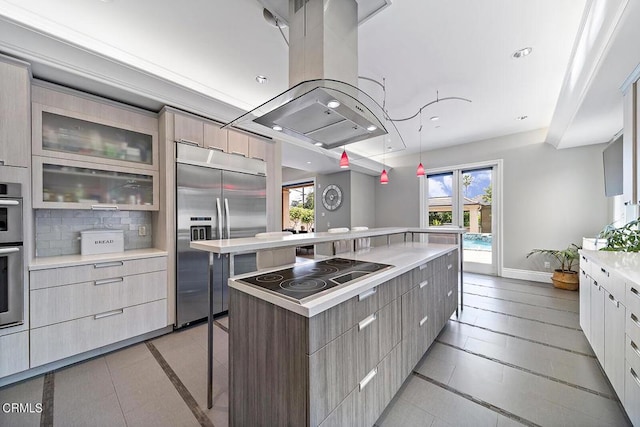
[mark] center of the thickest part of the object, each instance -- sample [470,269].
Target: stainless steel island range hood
[324,105]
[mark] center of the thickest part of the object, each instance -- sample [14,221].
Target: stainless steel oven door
[10,213]
[11,286]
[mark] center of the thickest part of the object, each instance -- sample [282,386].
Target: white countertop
[73,260]
[403,256]
[624,264]
[252,244]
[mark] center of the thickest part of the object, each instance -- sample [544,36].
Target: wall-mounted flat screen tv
[612,161]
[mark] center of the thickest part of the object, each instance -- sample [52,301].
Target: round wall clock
[332,197]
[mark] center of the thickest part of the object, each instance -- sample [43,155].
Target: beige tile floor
[515,356]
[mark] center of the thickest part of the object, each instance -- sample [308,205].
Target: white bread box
[101,241]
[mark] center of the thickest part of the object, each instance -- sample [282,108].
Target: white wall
[551,197]
[363,206]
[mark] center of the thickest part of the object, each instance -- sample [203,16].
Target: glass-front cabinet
[93,154]
[77,185]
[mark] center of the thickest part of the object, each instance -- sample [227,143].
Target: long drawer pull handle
[424,320]
[423,284]
[4,251]
[9,203]
[363,296]
[367,321]
[211,147]
[238,153]
[635,348]
[366,380]
[449,293]
[449,267]
[634,375]
[108,314]
[109,264]
[188,142]
[635,320]
[635,292]
[613,301]
[104,207]
[107,281]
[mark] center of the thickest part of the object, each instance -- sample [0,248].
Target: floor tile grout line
[525,339]
[221,326]
[115,390]
[523,318]
[520,302]
[521,292]
[532,372]
[476,400]
[188,398]
[48,389]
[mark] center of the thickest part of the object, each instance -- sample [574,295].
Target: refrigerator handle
[219,217]
[227,217]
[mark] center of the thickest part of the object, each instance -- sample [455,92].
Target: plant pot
[568,280]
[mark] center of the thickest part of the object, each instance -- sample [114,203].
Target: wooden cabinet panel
[188,129]
[14,353]
[215,138]
[238,143]
[257,148]
[15,123]
[66,339]
[344,414]
[95,271]
[585,302]
[61,303]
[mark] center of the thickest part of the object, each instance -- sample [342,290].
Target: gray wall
[58,230]
[363,200]
[341,217]
[550,197]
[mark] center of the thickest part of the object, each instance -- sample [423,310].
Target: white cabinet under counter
[81,303]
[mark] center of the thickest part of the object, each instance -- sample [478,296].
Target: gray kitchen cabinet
[597,320]
[257,148]
[614,342]
[632,393]
[14,353]
[188,129]
[585,296]
[15,112]
[238,143]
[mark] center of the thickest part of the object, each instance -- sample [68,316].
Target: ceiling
[203,56]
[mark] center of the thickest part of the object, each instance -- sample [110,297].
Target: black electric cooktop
[302,281]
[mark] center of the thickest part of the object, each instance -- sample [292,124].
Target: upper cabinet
[15,132]
[92,154]
[193,130]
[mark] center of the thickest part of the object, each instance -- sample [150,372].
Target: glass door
[463,197]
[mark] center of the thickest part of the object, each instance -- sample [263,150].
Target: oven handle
[4,251]
[9,202]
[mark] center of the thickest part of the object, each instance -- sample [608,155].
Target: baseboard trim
[534,276]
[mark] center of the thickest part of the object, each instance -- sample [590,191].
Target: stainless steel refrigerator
[218,196]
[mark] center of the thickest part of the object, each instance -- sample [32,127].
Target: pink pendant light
[384,178]
[420,171]
[344,160]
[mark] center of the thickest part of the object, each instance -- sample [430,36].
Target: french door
[467,196]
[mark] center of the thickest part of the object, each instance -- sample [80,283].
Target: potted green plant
[564,277]
[624,239]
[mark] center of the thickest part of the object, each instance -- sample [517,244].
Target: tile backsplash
[58,230]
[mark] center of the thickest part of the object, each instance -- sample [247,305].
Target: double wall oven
[11,256]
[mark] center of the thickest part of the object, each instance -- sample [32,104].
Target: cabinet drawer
[632,354]
[612,283]
[632,394]
[62,303]
[632,298]
[14,353]
[632,326]
[95,271]
[377,334]
[66,339]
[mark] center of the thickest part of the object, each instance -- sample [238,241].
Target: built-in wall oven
[11,256]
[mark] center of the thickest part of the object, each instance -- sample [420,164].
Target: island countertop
[403,256]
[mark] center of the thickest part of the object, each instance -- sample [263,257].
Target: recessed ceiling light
[318,144]
[371,128]
[308,163]
[262,79]
[521,117]
[435,118]
[276,127]
[333,104]
[522,52]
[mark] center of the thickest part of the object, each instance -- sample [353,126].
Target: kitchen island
[338,358]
